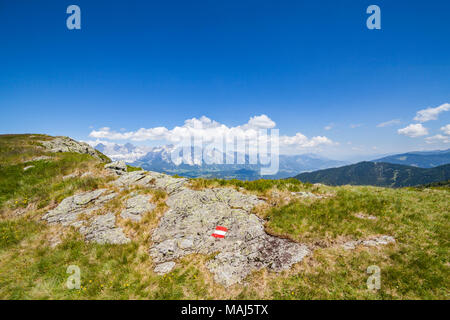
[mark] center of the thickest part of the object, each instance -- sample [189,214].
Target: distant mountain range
[159,159]
[395,170]
[127,152]
[421,159]
[377,174]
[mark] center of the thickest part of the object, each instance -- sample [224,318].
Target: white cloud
[209,130]
[413,130]
[328,127]
[157,133]
[261,122]
[438,138]
[300,140]
[446,129]
[357,125]
[431,113]
[388,123]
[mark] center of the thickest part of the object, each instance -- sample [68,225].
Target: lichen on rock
[69,210]
[100,229]
[136,206]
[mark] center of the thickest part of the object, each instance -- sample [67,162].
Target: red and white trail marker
[220,232]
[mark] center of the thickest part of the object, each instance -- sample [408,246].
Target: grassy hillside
[33,267]
[377,174]
[30,176]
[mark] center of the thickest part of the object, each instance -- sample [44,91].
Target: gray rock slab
[102,229]
[164,268]
[152,180]
[188,225]
[69,210]
[374,242]
[136,206]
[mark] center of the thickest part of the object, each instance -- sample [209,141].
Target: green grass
[43,182]
[261,185]
[131,168]
[332,217]
[107,271]
[15,148]
[417,267]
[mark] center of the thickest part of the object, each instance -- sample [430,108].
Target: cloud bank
[209,130]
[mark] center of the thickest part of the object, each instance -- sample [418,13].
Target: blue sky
[312,67]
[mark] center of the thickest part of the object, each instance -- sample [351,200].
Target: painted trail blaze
[220,232]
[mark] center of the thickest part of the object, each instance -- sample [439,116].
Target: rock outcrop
[188,225]
[164,268]
[118,167]
[193,215]
[152,180]
[66,144]
[70,209]
[101,229]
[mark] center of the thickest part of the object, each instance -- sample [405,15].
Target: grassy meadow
[32,266]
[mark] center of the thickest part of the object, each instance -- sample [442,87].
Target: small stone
[69,176]
[365,216]
[374,242]
[41,158]
[318,184]
[164,268]
[27,167]
[306,194]
[87,174]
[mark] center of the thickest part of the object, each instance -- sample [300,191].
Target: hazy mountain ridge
[422,159]
[377,174]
